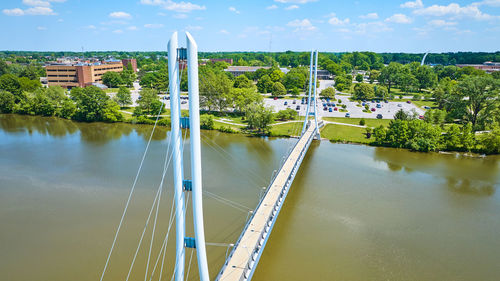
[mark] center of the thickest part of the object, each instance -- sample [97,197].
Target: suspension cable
[130,195]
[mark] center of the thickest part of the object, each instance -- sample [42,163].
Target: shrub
[362,122]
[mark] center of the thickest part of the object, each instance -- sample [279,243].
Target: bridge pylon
[181,185]
[312,107]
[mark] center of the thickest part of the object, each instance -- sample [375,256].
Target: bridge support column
[176,136]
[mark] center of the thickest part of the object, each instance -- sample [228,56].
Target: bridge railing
[257,249]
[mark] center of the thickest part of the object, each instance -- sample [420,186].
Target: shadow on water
[96,132]
[460,173]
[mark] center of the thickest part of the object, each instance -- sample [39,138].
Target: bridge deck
[242,261]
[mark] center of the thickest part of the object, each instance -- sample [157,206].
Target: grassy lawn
[219,125]
[344,133]
[397,92]
[288,129]
[355,121]
[422,103]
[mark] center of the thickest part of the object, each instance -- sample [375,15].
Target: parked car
[373,109]
[183,102]
[427,107]
[294,101]
[348,115]
[379,116]
[335,109]
[386,101]
[379,106]
[325,108]
[333,104]
[400,105]
[408,101]
[275,98]
[286,103]
[297,108]
[324,104]
[377,101]
[330,109]
[421,117]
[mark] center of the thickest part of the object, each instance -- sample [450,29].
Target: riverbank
[336,130]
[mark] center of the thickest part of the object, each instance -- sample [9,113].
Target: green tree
[258,117]
[112,79]
[295,78]
[479,95]
[10,83]
[435,116]
[389,75]
[359,77]
[374,75]
[287,114]
[7,102]
[363,91]
[215,90]
[452,138]
[243,97]
[444,93]
[328,93]
[401,115]
[278,90]
[123,97]
[148,96]
[381,92]
[265,84]
[28,85]
[112,112]
[242,82]
[491,141]
[426,78]
[343,82]
[91,103]
[276,75]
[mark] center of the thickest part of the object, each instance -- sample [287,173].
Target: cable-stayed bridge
[242,260]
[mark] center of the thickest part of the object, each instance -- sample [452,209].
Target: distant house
[239,70]
[488,66]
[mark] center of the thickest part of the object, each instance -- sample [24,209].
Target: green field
[288,129]
[368,122]
[343,133]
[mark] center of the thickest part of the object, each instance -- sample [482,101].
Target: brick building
[69,75]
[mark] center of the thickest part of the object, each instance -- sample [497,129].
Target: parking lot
[386,109]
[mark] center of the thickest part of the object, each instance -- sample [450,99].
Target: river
[353,213]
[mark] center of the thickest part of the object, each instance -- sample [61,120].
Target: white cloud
[90,26]
[223,31]
[120,15]
[413,4]
[493,3]
[295,1]
[60,20]
[194,27]
[292,7]
[39,11]
[399,18]
[36,3]
[153,25]
[132,27]
[371,27]
[454,10]
[118,31]
[302,25]
[336,21]
[442,23]
[41,28]
[13,12]
[180,16]
[372,16]
[234,10]
[180,7]
[272,7]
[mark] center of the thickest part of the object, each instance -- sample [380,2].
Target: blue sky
[258,25]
